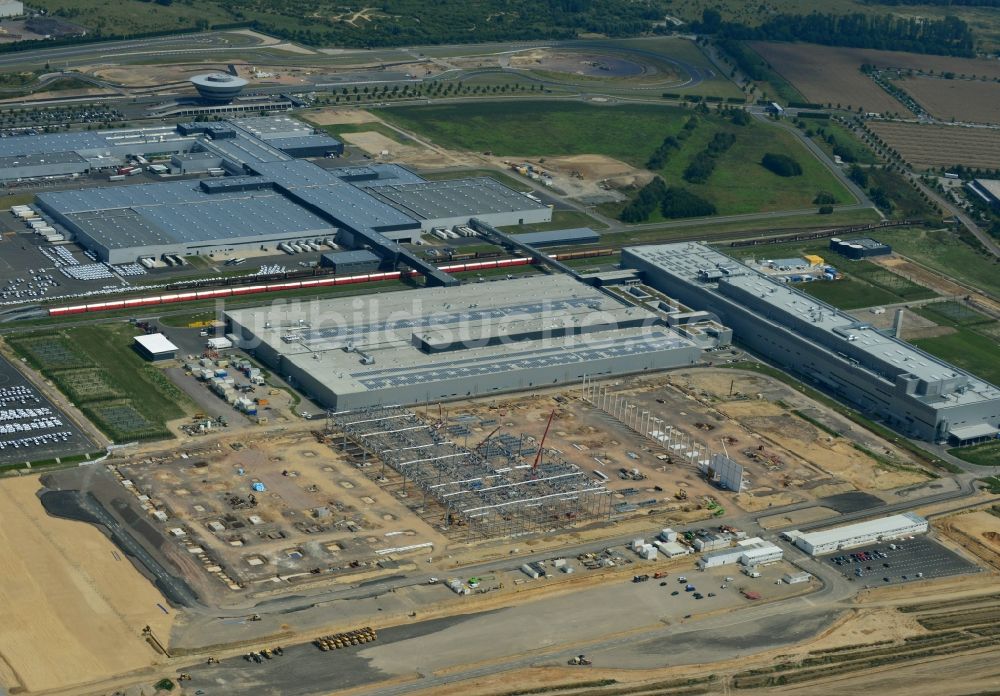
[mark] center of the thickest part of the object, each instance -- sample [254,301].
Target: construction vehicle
[579,660]
[681,494]
[659,574]
[346,640]
[640,578]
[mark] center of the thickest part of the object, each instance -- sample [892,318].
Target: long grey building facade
[915,393]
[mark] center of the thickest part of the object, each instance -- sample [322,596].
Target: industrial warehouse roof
[271,127]
[431,200]
[36,160]
[46,143]
[882,527]
[470,313]
[881,355]
[245,151]
[577,235]
[346,257]
[387,174]
[156,343]
[180,211]
[304,141]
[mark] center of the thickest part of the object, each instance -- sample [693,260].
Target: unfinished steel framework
[502,487]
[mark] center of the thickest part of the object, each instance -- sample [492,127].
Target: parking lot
[31,427]
[914,558]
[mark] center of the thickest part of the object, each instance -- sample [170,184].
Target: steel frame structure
[491,491]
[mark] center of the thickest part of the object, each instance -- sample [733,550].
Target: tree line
[947,36]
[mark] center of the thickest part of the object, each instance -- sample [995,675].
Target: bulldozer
[681,494]
[580,660]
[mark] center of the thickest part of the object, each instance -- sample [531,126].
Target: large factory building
[269,198]
[451,343]
[914,392]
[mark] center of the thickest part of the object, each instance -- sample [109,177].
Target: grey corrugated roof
[577,235]
[301,141]
[179,211]
[358,256]
[430,200]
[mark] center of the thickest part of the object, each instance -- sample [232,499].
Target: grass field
[844,139]
[630,133]
[537,129]
[968,349]
[884,279]
[970,346]
[97,369]
[848,293]
[865,285]
[953,313]
[906,201]
[946,253]
[986,454]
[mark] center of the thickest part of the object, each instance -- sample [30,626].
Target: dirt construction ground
[72,608]
[331,117]
[316,512]
[979,532]
[375,144]
[786,458]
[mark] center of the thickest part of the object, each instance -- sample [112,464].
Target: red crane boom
[541,444]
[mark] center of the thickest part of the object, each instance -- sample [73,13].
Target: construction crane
[541,445]
[487,438]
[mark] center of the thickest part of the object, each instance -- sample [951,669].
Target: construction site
[506,486]
[255,517]
[369,492]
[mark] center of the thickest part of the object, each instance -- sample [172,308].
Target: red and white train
[238,290]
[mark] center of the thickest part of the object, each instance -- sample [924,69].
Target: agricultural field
[630,134]
[828,75]
[832,75]
[977,101]
[97,369]
[927,146]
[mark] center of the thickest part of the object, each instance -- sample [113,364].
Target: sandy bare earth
[66,597]
[330,117]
